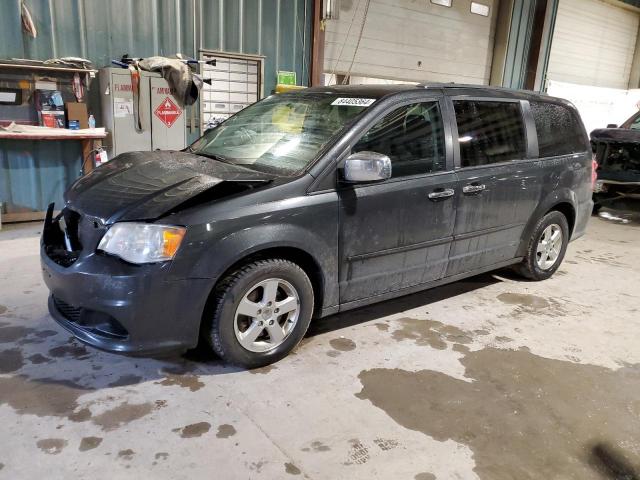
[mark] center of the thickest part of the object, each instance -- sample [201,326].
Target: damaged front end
[111,256]
[148,185]
[60,237]
[617,152]
[138,187]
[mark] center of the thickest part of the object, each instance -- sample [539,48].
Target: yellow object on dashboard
[282,88]
[288,118]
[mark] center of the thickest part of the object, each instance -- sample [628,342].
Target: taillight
[594,173]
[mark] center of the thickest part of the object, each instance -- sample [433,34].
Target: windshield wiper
[212,156]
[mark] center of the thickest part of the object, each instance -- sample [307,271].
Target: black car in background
[311,203]
[617,152]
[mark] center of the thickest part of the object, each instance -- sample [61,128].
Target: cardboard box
[77,111]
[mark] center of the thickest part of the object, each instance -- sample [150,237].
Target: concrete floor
[491,378]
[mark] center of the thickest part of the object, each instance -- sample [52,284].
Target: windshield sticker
[353,102]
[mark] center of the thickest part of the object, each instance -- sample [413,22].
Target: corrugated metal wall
[519,43]
[101,30]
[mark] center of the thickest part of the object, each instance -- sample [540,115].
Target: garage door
[593,44]
[413,40]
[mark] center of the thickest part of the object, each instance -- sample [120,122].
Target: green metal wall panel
[33,174]
[231,23]
[251,26]
[520,38]
[101,30]
[545,46]
[519,43]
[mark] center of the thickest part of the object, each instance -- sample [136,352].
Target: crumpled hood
[146,185]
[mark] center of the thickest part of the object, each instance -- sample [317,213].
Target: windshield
[281,134]
[633,123]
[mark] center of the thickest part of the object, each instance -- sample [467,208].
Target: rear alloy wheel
[260,313]
[549,247]
[546,248]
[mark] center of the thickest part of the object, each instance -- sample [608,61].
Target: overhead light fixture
[480,9]
[443,3]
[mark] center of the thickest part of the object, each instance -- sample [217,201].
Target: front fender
[310,225]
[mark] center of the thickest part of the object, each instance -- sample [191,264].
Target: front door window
[411,136]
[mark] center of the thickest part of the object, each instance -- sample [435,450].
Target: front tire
[260,313]
[546,248]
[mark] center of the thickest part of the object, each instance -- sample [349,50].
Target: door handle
[441,193]
[473,188]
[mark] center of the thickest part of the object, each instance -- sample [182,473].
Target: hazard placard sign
[168,112]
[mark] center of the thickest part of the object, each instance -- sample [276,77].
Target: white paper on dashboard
[353,101]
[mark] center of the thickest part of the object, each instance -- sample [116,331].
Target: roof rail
[458,85]
[482,87]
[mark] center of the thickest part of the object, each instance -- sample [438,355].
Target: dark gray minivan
[311,203]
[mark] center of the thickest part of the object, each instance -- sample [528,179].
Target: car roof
[379,91]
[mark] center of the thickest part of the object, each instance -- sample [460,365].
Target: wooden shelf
[50,68]
[23,217]
[44,136]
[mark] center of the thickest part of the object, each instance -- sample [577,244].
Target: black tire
[529,267]
[219,331]
[596,208]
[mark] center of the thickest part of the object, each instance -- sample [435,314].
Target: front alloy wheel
[259,312]
[266,315]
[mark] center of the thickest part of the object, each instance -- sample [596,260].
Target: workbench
[89,141]
[25,75]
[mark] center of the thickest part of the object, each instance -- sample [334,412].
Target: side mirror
[367,167]
[612,125]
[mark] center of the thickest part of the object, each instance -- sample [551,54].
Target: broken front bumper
[608,191]
[136,312]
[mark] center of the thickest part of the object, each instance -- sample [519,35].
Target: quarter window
[489,132]
[411,136]
[558,131]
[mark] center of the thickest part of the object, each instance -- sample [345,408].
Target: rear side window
[489,132]
[558,130]
[412,136]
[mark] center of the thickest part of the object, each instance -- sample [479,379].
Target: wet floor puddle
[52,446]
[429,333]
[225,431]
[526,300]
[193,430]
[60,398]
[527,303]
[522,415]
[89,443]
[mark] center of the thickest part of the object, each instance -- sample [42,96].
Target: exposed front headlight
[142,242]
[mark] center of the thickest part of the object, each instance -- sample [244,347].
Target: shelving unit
[19,71]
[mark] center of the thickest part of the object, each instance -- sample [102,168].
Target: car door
[498,179]
[396,234]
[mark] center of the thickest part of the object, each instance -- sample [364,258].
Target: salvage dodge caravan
[311,203]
